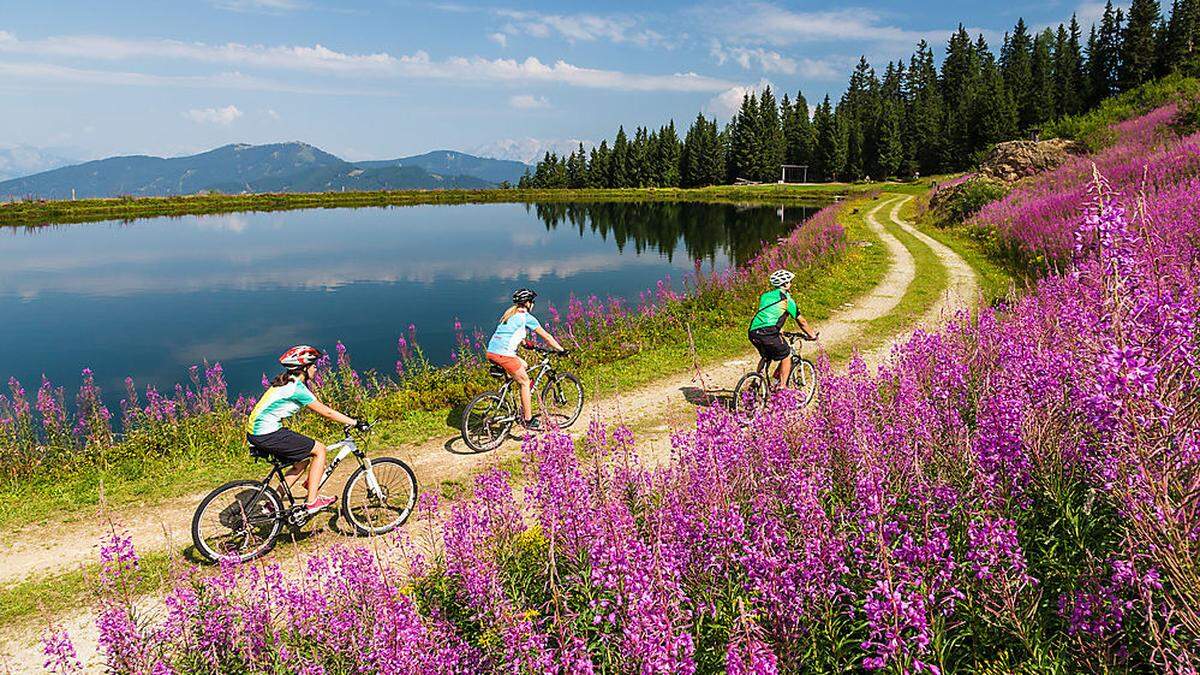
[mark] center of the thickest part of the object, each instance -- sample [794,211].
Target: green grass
[928,283]
[129,483]
[55,594]
[32,213]
[824,291]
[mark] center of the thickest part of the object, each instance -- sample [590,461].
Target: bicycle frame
[764,365]
[343,449]
[538,371]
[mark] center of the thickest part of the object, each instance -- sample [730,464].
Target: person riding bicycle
[774,307]
[287,394]
[515,325]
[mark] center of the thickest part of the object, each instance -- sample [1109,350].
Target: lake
[151,297]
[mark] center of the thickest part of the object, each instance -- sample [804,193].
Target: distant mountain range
[22,160]
[277,167]
[530,150]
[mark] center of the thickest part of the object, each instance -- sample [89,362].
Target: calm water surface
[150,298]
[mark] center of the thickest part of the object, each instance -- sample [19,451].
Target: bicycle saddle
[260,453]
[497,372]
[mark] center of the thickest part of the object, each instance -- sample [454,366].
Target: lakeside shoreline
[38,213]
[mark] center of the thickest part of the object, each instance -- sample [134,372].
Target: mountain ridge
[234,168]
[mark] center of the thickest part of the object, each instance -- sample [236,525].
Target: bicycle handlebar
[546,350]
[802,336]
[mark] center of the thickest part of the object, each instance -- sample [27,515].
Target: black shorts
[285,444]
[770,345]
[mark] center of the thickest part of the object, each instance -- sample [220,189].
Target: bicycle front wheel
[238,521]
[382,507]
[804,380]
[750,396]
[562,400]
[486,421]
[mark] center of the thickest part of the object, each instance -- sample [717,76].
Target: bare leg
[521,377]
[315,468]
[293,474]
[785,369]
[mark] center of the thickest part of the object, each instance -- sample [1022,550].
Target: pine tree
[992,107]
[1104,55]
[926,115]
[891,141]
[825,155]
[745,140]
[667,171]
[1041,81]
[1182,34]
[1139,44]
[1069,94]
[798,132]
[1016,63]
[618,162]
[960,73]
[770,138]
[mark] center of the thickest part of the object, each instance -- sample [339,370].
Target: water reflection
[151,297]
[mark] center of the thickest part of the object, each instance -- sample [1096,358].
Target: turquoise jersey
[774,307]
[276,405]
[511,333]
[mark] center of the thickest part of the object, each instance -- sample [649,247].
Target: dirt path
[165,527]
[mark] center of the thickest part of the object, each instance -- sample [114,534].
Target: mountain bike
[490,415]
[753,391]
[242,519]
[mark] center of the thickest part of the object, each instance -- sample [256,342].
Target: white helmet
[781,278]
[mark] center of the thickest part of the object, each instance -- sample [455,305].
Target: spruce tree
[825,155]
[744,140]
[925,112]
[618,162]
[667,170]
[798,132]
[891,140]
[1016,64]
[1041,81]
[1104,55]
[771,142]
[1139,44]
[1182,34]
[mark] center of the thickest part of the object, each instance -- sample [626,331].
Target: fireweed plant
[44,432]
[1016,492]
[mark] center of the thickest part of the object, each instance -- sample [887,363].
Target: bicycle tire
[552,393]
[349,501]
[750,395]
[803,379]
[239,507]
[481,432]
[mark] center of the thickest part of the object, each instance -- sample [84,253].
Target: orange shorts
[510,364]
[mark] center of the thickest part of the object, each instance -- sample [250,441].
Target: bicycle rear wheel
[804,380]
[486,421]
[750,396]
[562,400]
[381,508]
[238,521]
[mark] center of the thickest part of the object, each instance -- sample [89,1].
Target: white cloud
[1091,12]
[529,150]
[581,27]
[499,38]
[323,60]
[219,116]
[725,104]
[528,102]
[272,114]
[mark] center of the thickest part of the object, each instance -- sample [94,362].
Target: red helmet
[300,356]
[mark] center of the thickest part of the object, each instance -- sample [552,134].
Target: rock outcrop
[1014,160]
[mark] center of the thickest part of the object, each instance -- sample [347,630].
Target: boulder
[1013,160]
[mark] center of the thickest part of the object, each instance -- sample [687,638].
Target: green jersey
[276,405]
[774,307]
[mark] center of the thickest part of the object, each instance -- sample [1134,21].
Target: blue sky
[385,79]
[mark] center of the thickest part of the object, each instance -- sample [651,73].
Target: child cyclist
[515,325]
[287,395]
[774,307]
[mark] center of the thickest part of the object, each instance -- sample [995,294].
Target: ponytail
[511,311]
[287,376]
